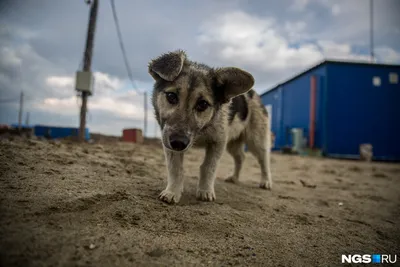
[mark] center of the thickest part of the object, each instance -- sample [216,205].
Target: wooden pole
[155,129]
[27,118]
[87,65]
[21,104]
[145,114]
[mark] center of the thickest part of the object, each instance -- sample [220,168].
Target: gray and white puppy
[215,108]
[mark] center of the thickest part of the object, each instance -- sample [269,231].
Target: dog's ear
[232,82]
[167,66]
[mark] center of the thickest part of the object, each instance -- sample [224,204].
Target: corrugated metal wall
[359,112]
[58,132]
[291,107]
[274,99]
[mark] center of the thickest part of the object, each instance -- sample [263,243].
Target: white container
[366,152]
[297,140]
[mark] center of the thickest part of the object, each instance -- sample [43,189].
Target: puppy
[215,108]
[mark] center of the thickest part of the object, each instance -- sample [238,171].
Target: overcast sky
[42,42]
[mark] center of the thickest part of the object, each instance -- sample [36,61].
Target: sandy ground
[64,204]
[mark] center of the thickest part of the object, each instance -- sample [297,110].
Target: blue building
[53,132]
[340,105]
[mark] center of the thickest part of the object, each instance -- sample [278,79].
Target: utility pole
[371,29]
[87,64]
[145,115]
[21,104]
[27,118]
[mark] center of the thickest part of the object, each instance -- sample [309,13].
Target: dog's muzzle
[178,142]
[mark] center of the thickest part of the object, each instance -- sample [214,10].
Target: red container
[132,135]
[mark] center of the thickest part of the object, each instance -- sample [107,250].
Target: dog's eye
[201,105]
[172,98]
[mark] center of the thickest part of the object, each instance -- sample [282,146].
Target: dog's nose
[178,142]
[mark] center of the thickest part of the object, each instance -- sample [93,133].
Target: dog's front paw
[266,185]
[205,195]
[169,196]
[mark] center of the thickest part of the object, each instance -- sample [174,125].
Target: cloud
[254,42]
[336,10]
[62,106]
[120,109]
[387,54]
[23,69]
[64,81]
[299,5]
[9,58]
[332,50]
[295,31]
[109,96]
[105,82]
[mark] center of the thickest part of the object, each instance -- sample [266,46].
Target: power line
[128,69]
[121,44]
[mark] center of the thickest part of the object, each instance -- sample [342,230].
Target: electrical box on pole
[84,82]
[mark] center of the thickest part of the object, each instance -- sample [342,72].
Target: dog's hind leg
[173,192]
[235,149]
[205,188]
[263,156]
[259,144]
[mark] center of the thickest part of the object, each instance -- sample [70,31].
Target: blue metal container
[58,132]
[16,125]
[352,108]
